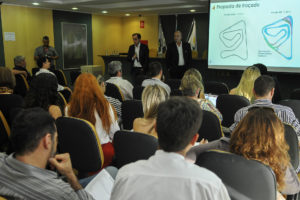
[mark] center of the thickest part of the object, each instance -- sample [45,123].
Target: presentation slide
[242,33]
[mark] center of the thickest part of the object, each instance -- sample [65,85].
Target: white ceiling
[120,7]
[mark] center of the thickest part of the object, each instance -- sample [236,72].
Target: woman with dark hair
[43,93]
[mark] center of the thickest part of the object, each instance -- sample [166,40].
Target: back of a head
[152,96]
[189,85]
[178,120]
[18,60]
[7,78]
[154,69]
[262,68]
[114,67]
[42,92]
[41,61]
[194,72]
[263,85]
[29,127]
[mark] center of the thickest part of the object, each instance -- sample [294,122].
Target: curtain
[184,24]
[168,23]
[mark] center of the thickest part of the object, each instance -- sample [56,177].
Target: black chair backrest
[176,93]
[173,83]
[22,85]
[79,138]
[34,70]
[244,179]
[4,133]
[217,88]
[73,76]
[61,78]
[211,127]
[228,105]
[131,146]
[114,91]
[293,104]
[292,140]
[137,92]
[295,94]
[131,109]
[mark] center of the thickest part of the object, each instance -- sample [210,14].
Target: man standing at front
[46,51]
[178,56]
[138,55]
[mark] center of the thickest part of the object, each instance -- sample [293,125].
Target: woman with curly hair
[43,93]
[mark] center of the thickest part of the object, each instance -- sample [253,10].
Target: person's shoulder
[283,108]
[132,169]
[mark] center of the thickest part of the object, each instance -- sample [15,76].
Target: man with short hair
[264,88]
[20,67]
[115,72]
[23,174]
[46,51]
[167,175]
[178,56]
[156,73]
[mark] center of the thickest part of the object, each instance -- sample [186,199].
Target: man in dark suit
[138,55]
[178,56]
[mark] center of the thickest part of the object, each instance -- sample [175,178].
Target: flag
[162,47]
[192,39]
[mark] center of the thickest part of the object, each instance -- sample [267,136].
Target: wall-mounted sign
[142,24]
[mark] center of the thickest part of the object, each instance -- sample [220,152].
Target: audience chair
[211,127]
[293,104]
[73,76]
[114,91]
[216,88]
[131,109]
[34,70]
[22,85]
[4,134]
[131,146]
[79,138]
[244,179]
[292,140]
[173,83]
[61,77]
[137,92]
[228,105]
[295,94]
[62,101]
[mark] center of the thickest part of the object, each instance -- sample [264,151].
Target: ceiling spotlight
[193,10]
[127,14]
[35,3]
[74,8]
[104,12]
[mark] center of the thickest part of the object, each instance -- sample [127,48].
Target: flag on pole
[193,39]
[162,46]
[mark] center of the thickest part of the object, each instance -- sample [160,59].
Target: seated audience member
[259,136]
[155,71]
[264,88]
[192,87]
[24,174]
[152,96]
[88,102]
[194,72]
[167,175]
[20,67]
[115,72]
[44,65]
[245,87]
[9,102]
[116,103]
[43,93]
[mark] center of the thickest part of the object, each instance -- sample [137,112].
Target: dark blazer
[143,55]
[172,56]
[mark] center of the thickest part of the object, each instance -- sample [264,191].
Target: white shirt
[156,81]
[167,176]
[137,52]
[60,87]
[103,136]
[125,86]
[180,53]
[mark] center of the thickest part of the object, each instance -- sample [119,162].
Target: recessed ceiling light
[104,11]
[74,8]
[193,10]
[35,3]
[127,14]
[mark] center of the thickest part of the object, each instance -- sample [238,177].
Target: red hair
[88,97]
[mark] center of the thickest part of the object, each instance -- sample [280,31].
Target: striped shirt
[116,104]
[284,113]
[208,106]
[155,81]
[22,181]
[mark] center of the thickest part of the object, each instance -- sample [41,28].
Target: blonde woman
[152,96]
[192,87]
[245,87]
[194,72]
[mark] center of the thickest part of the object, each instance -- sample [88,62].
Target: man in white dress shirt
[156,73]
[167,175]
[115,72]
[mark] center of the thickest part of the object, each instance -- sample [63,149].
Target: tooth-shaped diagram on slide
[234,39]
[279,36]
